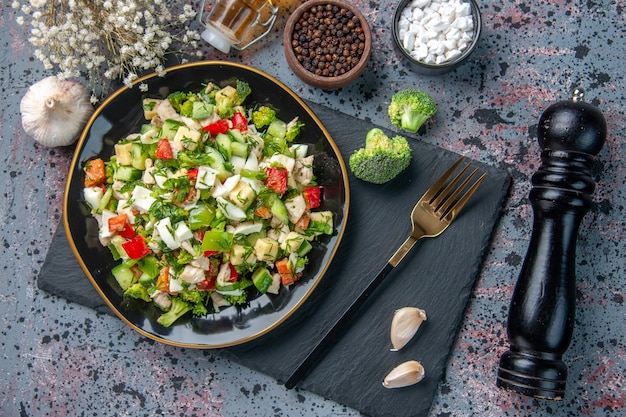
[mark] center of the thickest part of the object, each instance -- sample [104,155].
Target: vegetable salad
[209,205]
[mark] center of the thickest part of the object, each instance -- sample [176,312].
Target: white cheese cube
[142,200]
[240,254]
[283,160]
[165,231]
[93,196]
[187,137]
[266,249]
[242,195]
[104,223]
[292,242]
[182,232]
[274,288]
[206,177]
[123,153]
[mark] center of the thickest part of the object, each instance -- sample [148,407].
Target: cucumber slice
[239,149]
[123,275]
[279,210]
[127,173]
[262,279]
[218,162]
[139,156]
[170,127]
[223,143]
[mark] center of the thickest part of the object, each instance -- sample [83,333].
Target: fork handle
[333,333]
[403,250]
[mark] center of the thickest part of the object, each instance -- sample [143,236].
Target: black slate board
[438,276]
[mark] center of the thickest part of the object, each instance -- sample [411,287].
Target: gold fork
[439,205]
[432,214]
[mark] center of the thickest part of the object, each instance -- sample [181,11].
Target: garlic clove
[405,323]
[54,111]
[404,375]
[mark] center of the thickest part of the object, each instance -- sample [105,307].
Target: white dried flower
[106,39]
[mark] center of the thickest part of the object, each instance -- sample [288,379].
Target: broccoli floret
[237,299]
[382,158]
[263,116]
[243,91]
[138,291]
[198,300]
[228,98]
[293,129]
[178,99]
[410,108]
[193,295]
[178,308]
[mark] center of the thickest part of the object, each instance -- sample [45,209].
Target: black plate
[121,114]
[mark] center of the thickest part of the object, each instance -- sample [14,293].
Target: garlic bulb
[405,374]
[54,111]
[405,323]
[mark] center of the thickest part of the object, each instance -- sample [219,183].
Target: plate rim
[75,160]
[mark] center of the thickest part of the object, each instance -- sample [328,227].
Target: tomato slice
[164,150]
[239,122]
[276,179]
[313,196]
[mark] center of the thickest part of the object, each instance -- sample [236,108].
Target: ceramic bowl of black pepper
[327,43]
[436,36]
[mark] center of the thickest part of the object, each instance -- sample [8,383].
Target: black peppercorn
[328,40]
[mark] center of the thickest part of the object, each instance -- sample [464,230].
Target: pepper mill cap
[572,125]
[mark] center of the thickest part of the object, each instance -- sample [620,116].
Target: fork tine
[452,190]
[436,188]
[447,193]
[452,206]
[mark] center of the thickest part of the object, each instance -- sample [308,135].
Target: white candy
[436,31]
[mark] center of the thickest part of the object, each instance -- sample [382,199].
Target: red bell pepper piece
[192,174]
[164,150]
[136,247]
[233,273]
[207,285]
[239,122]
[276,179]
[221,126]
[121,226]
[313,196]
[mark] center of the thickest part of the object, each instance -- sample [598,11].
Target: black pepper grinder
[541,314]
